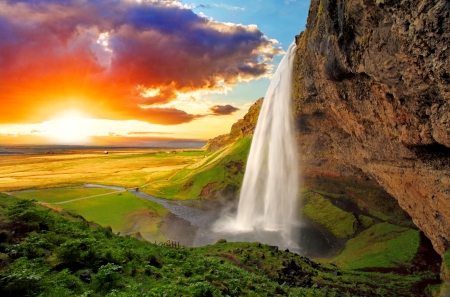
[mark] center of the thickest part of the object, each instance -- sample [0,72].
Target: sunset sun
[68,127]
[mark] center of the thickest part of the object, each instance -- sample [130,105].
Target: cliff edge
[372,99]
[242,128]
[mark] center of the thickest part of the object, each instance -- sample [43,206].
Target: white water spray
[269,191]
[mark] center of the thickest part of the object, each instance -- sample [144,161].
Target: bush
[78,252]
[108,277]
[24,277]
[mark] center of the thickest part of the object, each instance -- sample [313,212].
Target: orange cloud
[98,56]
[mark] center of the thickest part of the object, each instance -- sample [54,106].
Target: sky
[136,72]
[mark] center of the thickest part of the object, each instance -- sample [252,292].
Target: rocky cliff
[372,100]
[242,128]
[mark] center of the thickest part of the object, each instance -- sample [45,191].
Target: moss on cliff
[382,245]
[340,223]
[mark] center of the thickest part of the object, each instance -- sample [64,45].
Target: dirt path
[93,196]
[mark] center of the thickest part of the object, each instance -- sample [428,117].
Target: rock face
[242,128]
[372,99]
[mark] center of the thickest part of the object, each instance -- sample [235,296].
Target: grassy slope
[116,210]
[340,223]
[383,245]
[123,212]
[219,170]
[386,239]
[48,252]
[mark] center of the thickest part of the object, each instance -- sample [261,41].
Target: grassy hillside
[119,210]
[49,253]
[219,173]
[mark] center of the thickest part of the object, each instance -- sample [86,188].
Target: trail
[93,196]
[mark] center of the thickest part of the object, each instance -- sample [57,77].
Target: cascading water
[269,191]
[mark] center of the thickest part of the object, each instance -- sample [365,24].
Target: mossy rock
[365,221]
[321,211]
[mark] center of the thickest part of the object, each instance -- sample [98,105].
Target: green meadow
[57,248]
[120,210]
[61,195]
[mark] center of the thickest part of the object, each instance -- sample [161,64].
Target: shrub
[78,252]
[108,277]
[24,277]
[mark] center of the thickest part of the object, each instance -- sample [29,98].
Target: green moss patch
[365,221]
[383,245]
[321,211]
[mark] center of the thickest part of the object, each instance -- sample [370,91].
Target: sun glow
[68,127]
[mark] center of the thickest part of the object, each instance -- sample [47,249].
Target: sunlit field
[123,168]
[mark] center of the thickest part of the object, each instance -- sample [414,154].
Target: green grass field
[57,247]
[61,195]
[123,212]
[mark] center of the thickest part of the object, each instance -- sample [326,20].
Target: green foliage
[365,221]
[78,251]
[383,245]
[24,277]
[49,262]
[320,210]
[370,197]
[108,277]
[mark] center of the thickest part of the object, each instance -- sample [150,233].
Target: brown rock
[372,99]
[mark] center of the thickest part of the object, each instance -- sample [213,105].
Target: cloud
[98,56]
[228,7]
[223,109]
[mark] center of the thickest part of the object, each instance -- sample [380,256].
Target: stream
[190,223]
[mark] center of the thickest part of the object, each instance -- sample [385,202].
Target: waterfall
[269,192]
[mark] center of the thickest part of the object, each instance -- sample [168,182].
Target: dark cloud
[223,109]
[53,50]
[203,6]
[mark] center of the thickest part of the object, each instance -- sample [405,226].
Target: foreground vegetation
[120,210]
[49,253]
